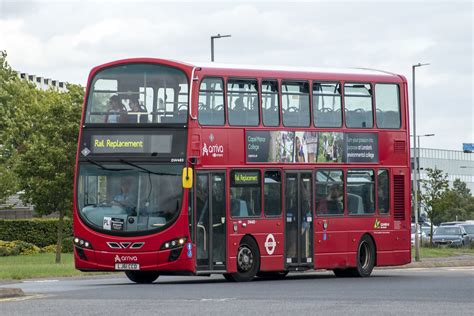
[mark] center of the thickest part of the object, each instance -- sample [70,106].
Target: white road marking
[40,281]
[23,298]
[217,299]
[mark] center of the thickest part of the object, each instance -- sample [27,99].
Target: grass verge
[439,252]
[38,266]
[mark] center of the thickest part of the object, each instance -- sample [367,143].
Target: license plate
[127,266]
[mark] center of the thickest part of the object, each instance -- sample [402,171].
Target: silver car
[469,228]
[452,236]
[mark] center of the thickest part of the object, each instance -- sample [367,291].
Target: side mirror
[187,178]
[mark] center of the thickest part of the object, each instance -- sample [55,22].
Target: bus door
[298,219]
[210,221]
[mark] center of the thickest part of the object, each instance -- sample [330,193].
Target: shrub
[17,247]
[49,249]
[40,232]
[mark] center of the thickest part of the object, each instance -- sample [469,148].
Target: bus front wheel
[142,277]
[248,261]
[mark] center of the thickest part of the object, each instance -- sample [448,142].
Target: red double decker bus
[197,169]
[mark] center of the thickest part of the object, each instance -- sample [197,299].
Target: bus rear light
[175,243]
[81,243]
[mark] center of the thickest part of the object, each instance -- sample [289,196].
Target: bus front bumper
[163,260]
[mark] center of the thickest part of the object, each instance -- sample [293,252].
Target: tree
[38,140]
[432,190]
[456,203]
[46,166]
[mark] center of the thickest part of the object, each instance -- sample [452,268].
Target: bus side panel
[268,233]
[330,243]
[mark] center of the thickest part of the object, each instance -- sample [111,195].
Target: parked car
[450,235]
[469,228]
[421,235]
[426,228]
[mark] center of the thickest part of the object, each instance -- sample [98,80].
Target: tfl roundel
[270,244]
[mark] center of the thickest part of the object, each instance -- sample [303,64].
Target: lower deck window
[245,193]
[360,193]
[329,192]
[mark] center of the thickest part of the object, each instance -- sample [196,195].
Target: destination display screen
[160,144]
[243,178]
[167,144]
[311,147]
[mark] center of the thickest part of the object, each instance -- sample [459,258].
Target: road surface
[422,291]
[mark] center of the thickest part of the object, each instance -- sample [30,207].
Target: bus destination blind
[134,144]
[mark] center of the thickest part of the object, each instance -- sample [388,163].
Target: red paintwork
[343,233]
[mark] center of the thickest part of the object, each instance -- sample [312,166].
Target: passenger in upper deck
[117,110]
[136,108]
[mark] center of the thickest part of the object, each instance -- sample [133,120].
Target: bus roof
[269,70]
[275,68]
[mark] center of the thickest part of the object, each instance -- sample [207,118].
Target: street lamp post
[212,43]
[415,174]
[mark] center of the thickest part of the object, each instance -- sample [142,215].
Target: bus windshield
[138,94]
[129,197]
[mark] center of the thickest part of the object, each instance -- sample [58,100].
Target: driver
[126,198]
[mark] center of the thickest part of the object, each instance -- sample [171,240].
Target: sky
[63,40]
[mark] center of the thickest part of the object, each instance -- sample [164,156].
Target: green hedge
[40,232]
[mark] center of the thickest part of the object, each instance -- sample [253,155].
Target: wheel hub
[245,259]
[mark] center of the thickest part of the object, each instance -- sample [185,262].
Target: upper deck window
[327,104]
[358,105]
[295,103]
[270,103]
[131,94]
[211,102]
[387,103]
[242,102]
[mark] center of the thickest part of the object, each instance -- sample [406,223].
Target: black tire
[272,275]
[142,277]
[248,261]
[365,258]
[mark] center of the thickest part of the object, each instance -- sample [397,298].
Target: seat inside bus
[238,208]
[355,204]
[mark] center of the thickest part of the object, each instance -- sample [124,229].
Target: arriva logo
[125,258]
[213,150]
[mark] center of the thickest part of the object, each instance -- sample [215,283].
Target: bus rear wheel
[248,261]
[365,257]
[142,277]
[365,260]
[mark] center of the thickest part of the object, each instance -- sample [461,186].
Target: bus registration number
[127,266]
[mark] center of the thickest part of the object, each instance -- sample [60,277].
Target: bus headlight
[82,243]
[175,243]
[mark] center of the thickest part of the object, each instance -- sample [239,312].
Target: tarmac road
[422,291]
